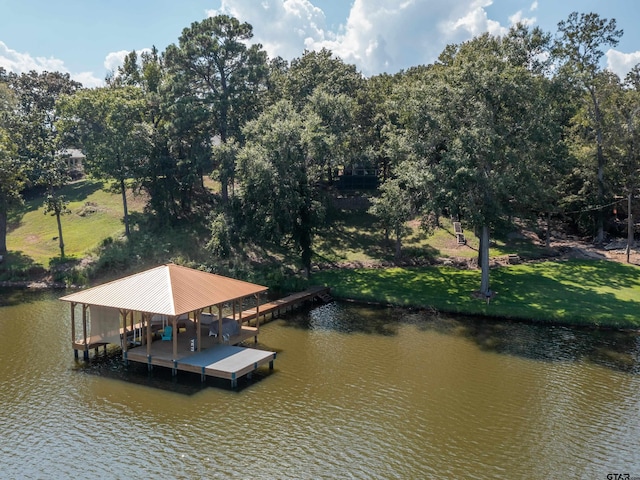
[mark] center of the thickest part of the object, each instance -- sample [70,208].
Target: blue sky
[88,38]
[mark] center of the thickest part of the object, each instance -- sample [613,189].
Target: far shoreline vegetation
[214,156]
[434,274]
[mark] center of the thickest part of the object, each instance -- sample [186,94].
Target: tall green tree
[109,123]
[279,178]
[621,111]
[11,169]
[579,49]
[218,81]
[41,148]
[320,70]
[393,210]
[376,122]
[476,126]
[323,84]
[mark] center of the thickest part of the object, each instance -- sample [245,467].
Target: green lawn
[600,293]
[95,215]
[577,292]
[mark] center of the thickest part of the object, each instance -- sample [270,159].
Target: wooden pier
[282,305]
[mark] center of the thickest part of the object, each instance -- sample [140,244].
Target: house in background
[75,161]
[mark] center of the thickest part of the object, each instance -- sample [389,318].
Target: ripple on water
[357,393]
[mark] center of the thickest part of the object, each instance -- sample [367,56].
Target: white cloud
[519,18]
[375,34]
[88,79]
[115,59]
[18,62]
[283,27]
[534,6]
[621,63]
[475,21]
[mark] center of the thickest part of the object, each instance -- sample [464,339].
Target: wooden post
[84,331]
[73,328]
[174,321]
[198,332]
[258,311]
[125,346]
[219,322]
[149,339]
[133,328]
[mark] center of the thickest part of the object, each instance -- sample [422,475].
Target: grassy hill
[96,214]
[353,239]
[348,256]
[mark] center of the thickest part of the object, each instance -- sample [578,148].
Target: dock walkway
[285,304]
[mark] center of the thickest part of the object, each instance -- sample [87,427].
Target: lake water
[357,392]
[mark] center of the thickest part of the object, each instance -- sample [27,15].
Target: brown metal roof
[167,290]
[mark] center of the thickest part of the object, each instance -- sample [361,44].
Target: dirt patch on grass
[614,251]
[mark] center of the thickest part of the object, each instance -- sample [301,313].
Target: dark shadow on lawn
[18,267]
[74,192]
[363,236]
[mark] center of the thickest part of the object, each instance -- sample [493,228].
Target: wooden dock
[214,357]
[285,304]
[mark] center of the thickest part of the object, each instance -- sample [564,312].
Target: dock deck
[226,361]
[214,359]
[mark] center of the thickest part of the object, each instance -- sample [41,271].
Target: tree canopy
[253,149]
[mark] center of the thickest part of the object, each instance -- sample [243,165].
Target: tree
[621,112]
[335,113]
[319,70]
[57,205]
[322,84]
[217,80]
[579,49]
[476,126]
[11,169]
[280,179]
[109,123]
[41,147]
[376,122]
[393,209]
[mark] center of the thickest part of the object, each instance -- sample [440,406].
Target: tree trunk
[305,238]
[600,225]
[547,241]
[224,191]
[123,191]
[398,244]
[61,241]
[478,234]
[600,171]
[3,231]
[629,229]
[484,256]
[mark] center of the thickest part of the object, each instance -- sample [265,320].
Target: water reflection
[617,350]
[357,392]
